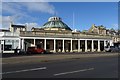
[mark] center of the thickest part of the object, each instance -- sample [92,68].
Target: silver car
[112,49]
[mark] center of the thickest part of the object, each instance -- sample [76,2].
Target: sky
[35,14]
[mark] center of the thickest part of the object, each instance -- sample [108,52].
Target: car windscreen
[31,47]
[111,46]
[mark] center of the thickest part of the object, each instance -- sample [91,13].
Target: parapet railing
[67,35]
[9,34]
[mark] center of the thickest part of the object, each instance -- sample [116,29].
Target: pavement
[50,57]
[69,66]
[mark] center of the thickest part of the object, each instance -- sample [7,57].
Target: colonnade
[92,44]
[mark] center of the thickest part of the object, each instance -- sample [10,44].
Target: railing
[67,35]
[8,34]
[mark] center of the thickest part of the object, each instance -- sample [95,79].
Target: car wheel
[42,52]
[112,50]
[28,52]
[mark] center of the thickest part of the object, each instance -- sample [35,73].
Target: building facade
[56,36]
[101,30]
[17,28]
[9,41]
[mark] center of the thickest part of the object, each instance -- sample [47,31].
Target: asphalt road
[99,67]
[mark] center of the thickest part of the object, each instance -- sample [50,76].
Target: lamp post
[2,46]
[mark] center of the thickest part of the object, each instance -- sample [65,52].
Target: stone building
[56,36]
[101,30]
[17,28]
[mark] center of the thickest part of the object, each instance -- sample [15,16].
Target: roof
[20,26]
[55,22]
[4,30]
[100,27]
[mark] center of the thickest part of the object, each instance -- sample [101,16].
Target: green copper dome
[55,22]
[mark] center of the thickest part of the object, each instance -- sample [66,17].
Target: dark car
[34,50]
[21,51]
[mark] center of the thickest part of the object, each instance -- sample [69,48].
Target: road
[97,67]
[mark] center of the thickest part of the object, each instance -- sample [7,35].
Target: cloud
[25,1]
[40,7]
[115,26]
[17,7]
[0,21]
[11,8]
[6,20]
[0,8]
[19,12]
[30,25]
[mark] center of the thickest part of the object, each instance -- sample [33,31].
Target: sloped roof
[22,26]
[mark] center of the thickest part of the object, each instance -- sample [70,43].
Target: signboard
[2,42]
[1,33]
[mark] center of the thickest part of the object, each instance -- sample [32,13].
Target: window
[47,46]
[8,40]
[15,29]
[76,46]
[17,40]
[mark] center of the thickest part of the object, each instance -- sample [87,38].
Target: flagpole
[73,20]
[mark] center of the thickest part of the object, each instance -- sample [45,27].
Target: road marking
[73,72]
[24,70]
[3,63]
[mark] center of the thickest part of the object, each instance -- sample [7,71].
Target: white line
[3,63]
[73,71]
[24,70]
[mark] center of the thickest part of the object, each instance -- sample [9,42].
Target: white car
[112,49]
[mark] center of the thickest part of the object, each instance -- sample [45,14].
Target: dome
[56,22]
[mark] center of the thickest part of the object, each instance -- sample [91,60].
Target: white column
[78,45]
[23,44]
[0,46]
[85,45]
[34,42]
[111,43]
[13,44]
[71,46]
[19,44]
[98,45]
[44,44]
[92,46]
[105,43]
[3,42]
[54,45]
[63,50]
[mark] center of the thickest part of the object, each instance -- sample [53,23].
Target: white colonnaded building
[53,36]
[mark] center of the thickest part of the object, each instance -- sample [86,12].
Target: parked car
[21,51]
[34,50]
[112,49]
